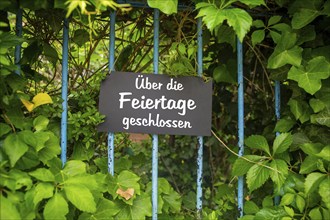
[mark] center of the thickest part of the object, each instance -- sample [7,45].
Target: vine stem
[244,158]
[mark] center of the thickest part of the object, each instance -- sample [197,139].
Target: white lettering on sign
[158,103]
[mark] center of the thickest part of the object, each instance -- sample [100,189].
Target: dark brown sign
[156,104]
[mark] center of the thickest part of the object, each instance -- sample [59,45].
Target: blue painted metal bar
[240,78]
[136,4]
[64,119]
[199,194]
[19,31]
[111,136]
[154,136]
[278,116]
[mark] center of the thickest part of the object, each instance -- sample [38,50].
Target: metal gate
[111,136]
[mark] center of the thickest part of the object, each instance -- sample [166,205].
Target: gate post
[64,118]
[154,136]
[240,81]
[199,194]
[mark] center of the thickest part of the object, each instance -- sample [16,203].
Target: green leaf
[312,181]
[257,176]
[258,24]
[325,153]
[312,148]
[4,129]
[279,176]
[258,142]
[221,74]
[300,202]
[8,209]
[241,166]
[322,118]
[284,125]
[74,168]
[15,148]
[315,214]
[317,105]
[56,208]
[303,17]
[50,53]
[271,213]
[309,78]
[87,180]
[286,52]
[105,210]
[40,123]
[287,199]
[51,148]
[139,210]
[281,143]
[81,197]
[43,174]
[250,208]
[43,191]
[274,19]
[166,6]
[80,37]
[257,37]
[308,165]
[253,3]
[299,109]
[324,191]
[128,179]
[172,201]
[236,18]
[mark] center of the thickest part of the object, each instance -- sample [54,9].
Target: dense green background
[283,40]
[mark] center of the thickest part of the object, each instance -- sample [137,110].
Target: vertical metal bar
[64,119]
[240,194]
[199,193]
[155,137]
[111,136]
[278,116]
[19,28]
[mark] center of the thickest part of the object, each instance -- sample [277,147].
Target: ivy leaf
[312,181]
[166,6]
[241,166]
[286,52]
[8,209]
[15,148]
[250,208]
[258,142]
[315,214]
[324,191]
[282,142]
[279,176]
[81,197]
[287,199]
[322,118]
[56,208]
[301,203]
[271,213]
[317,105]
[300,110]
[257,176]
[284,125]
[309,78]
[172,201]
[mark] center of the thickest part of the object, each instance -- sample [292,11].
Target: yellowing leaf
[127,194]
[28,105]
[41,99]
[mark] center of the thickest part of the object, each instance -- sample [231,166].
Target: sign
[155,104]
